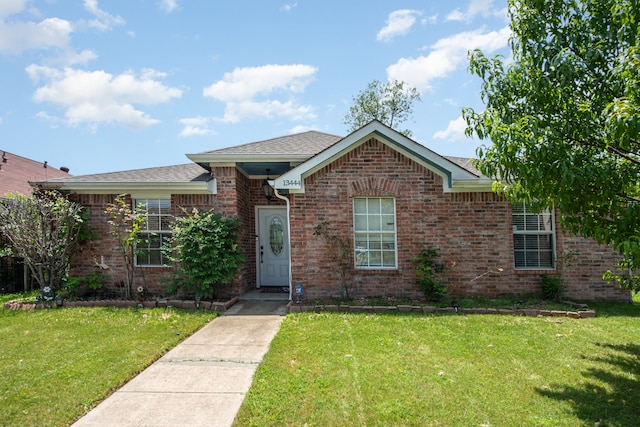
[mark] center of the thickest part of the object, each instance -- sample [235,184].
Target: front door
[273,246]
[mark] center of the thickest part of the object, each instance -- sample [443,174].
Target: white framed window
[155,231]
[534,243]
[374,225]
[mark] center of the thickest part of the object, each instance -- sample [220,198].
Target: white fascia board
[200,187]
[478,185]
[450,172]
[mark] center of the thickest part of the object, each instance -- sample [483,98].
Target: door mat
[275,290]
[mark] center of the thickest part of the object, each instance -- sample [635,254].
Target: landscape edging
[294,307]
[219,306]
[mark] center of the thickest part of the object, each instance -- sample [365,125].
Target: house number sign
[293,183]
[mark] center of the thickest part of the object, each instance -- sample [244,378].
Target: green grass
[57,364]
[336,369]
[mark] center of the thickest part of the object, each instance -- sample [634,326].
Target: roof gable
[275,156]
[455,177]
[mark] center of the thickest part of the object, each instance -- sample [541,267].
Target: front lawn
[56,364]
[335,369]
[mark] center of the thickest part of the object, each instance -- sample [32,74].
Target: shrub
[339,255]
[427,270]
[552,287]
[205,251]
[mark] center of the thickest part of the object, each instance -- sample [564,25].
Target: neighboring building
[386,195]
[15,174]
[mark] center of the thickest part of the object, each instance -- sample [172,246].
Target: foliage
[390,103]
[552,287]
[55,365]
[43,229]
[204,248]
[93,281]
[125,225]
[339,255]
[427,269]
[563,118]
[448,370]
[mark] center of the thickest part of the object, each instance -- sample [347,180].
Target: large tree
[44,230]
[390,102]
[563,118]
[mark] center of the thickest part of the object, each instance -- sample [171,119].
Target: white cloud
[432,19]
[10,7]
[456,15]
[454,131]
[445,57]
[476,7]
[240,88]
[104,21]
[237,111]
[302,128]
[93,97]
[288,7]
[196,126]
[16,37]
[168,6]
[399,23]
[70,57]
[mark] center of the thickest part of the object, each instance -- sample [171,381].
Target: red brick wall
[238,195]
[104,245]
[472,230]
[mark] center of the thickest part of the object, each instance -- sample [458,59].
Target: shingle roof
[189,172]
[464,162]
[17,171]
[305,143]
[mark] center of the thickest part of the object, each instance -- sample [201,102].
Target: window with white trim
[154,232]
[533,237]
[374,225]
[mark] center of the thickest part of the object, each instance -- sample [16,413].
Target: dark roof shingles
[189,172]
[305,143]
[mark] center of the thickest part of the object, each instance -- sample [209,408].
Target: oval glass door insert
[276,236]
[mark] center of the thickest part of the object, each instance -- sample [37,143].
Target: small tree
[390,103]
[563,118]
[125,224]
[44,230]
[427,269]
[339,255]
[204,248]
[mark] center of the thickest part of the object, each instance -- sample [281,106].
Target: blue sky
[101,86]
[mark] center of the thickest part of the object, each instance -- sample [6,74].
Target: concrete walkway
[202,381]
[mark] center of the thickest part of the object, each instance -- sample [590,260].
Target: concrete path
[202,381]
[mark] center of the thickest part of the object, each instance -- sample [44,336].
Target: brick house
[383,194]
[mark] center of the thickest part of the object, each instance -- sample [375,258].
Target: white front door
[273,246]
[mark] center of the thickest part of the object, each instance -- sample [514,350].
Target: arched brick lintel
[373,186]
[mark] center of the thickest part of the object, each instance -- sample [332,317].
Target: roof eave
[479,185]
[199,187]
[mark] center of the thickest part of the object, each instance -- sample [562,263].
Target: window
[533,237]
[155,232]
[374,220]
